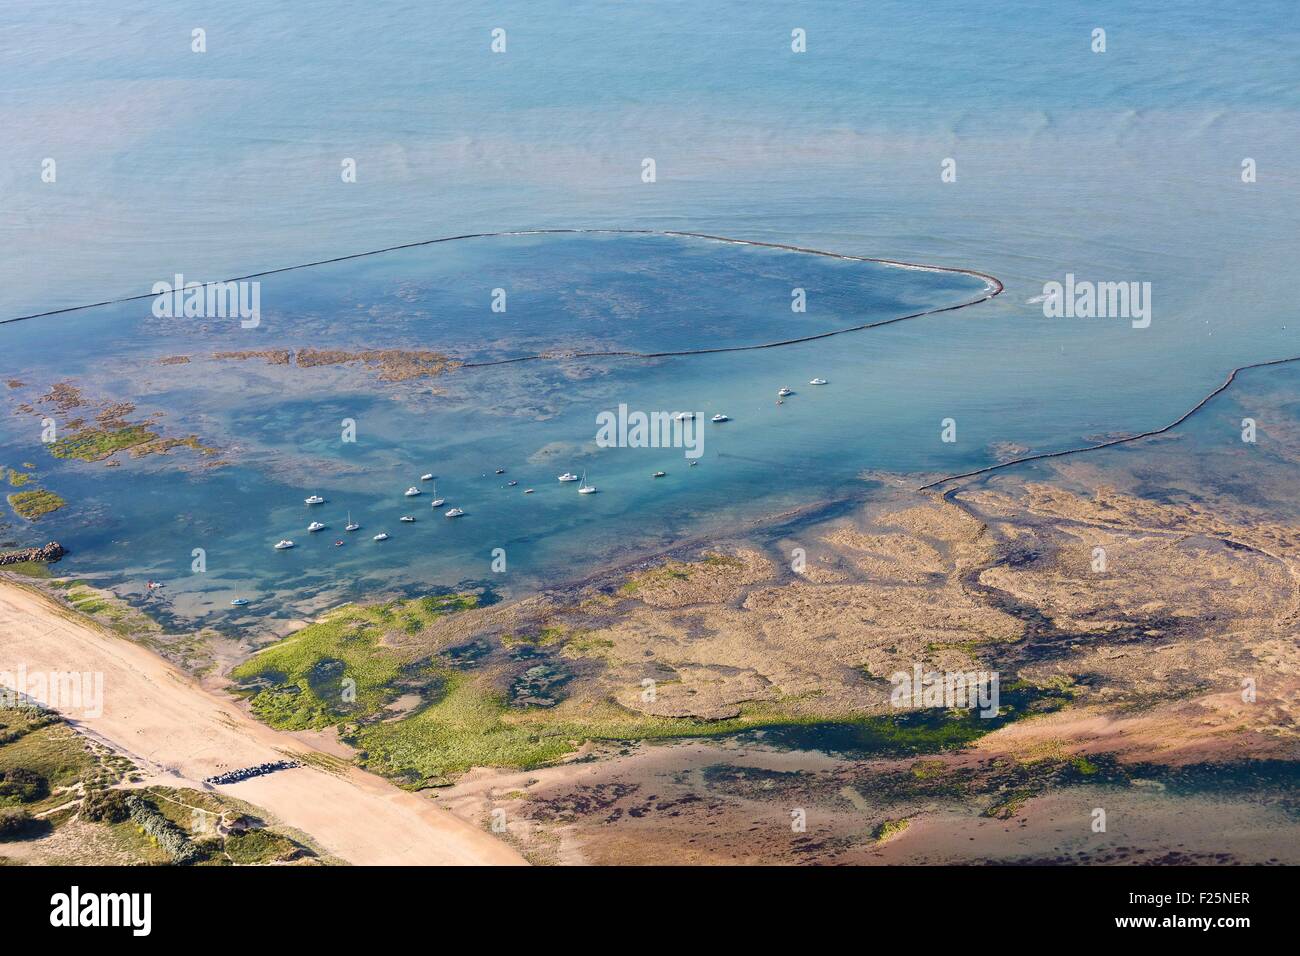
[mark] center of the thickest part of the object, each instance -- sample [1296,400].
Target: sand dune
[180,733]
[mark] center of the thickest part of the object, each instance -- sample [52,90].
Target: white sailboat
[351,525]
[584,488]
[436,502]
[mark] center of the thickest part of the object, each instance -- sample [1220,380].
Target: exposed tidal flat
[545,669]
[1122,689]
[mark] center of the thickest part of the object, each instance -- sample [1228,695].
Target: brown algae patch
[391,365]
[86,430]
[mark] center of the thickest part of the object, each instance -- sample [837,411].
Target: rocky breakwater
[48,554]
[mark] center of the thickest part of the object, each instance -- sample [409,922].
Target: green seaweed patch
[671,571]
[584,644]
[340,668]
[928,769]
[30,569]
[475,726]
[110,610]
[16,478]
[546,637]
[888,829]
[478,718]
[35,504]
[96,444]
[914,732]
[1007,805]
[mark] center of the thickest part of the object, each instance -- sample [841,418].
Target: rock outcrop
[49,554]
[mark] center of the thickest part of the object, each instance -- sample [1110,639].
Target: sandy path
[173,728]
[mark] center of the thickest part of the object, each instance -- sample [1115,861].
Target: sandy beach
[179,733]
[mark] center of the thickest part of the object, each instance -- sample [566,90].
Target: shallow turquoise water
[1122,166]
[281,426]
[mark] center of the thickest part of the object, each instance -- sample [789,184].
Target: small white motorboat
[315,526]
[818,381]
[407,518]
[239,602]
[412,491]
[501,471]
[511,484]
[284,545]
[567,476]
[528,491]
[720,418]
[382,536]
[659,474]
[785,391]
[683,416]
[453,513]
[351,525]
[314,500]
[428,477]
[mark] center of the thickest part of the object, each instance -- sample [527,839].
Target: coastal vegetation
[52,779]
[173,841]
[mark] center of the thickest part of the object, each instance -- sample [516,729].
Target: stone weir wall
[50,553]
